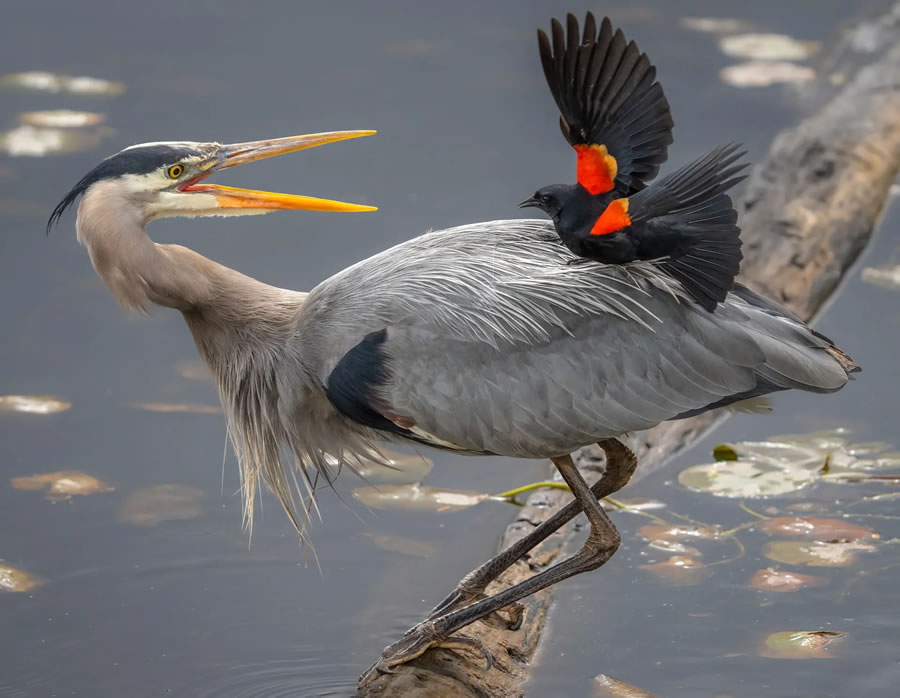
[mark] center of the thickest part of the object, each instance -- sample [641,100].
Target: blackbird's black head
[551,200]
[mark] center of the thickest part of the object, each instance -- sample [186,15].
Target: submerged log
[808,211]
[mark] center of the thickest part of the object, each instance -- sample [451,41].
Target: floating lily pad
[12,579]
[678,571]
[400,468]
[62,485]
[767,47]
[175,407]
[417,497]
[782,581]
[815,553]
[608,687]
[716,25]
[61,118]
[33,404]
[402,544]
[802,644]
[674,547]
[665,531]
[887,276]
[37,141]
[765,73]
[815,528]
[41,81]
[152,505]
[787,463]
[746,479]
[639,504]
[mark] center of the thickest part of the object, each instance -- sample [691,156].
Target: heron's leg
[603,540]
[620,464]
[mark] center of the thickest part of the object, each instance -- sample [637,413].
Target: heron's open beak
[242,153]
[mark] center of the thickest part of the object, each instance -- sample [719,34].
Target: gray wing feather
[495,345]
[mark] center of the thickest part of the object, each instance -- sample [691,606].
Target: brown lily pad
[801,644]
[815,528]
[13,579]
[152,505]
[678,571]
[61,485]
[677,532]
[782,581]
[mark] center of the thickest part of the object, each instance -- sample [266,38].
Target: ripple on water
[307,674]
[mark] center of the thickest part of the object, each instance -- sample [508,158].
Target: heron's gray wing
[527,358]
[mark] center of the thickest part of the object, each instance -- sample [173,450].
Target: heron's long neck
[139,272]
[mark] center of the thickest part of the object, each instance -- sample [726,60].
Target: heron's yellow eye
[175,171]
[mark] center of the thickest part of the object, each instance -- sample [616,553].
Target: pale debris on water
[37,141]
[887,276]
[815,553]
[716,25]
[62,484]
[149,506]
[61,118]
[767,47]
[417,497]
[765,73]
[782,581]
[801,644]
[54,82]
[608,687]
[13,579]
[33,404]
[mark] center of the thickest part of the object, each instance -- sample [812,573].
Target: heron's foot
[460,598]
[415,643]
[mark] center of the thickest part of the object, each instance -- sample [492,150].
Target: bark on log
[808,211]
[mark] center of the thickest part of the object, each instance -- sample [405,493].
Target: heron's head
[155,180]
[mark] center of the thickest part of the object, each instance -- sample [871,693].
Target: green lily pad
[801,644]
[815,553]
[787,463]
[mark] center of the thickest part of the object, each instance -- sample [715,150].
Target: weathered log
[808,211]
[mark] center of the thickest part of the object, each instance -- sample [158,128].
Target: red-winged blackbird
[615,115]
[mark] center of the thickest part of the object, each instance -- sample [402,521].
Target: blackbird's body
[575,218]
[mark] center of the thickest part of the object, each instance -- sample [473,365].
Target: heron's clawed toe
[415,643]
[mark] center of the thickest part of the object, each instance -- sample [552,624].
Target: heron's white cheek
[170,203]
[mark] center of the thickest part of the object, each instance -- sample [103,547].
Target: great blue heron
[479,339]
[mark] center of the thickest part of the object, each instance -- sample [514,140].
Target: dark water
[465,131]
